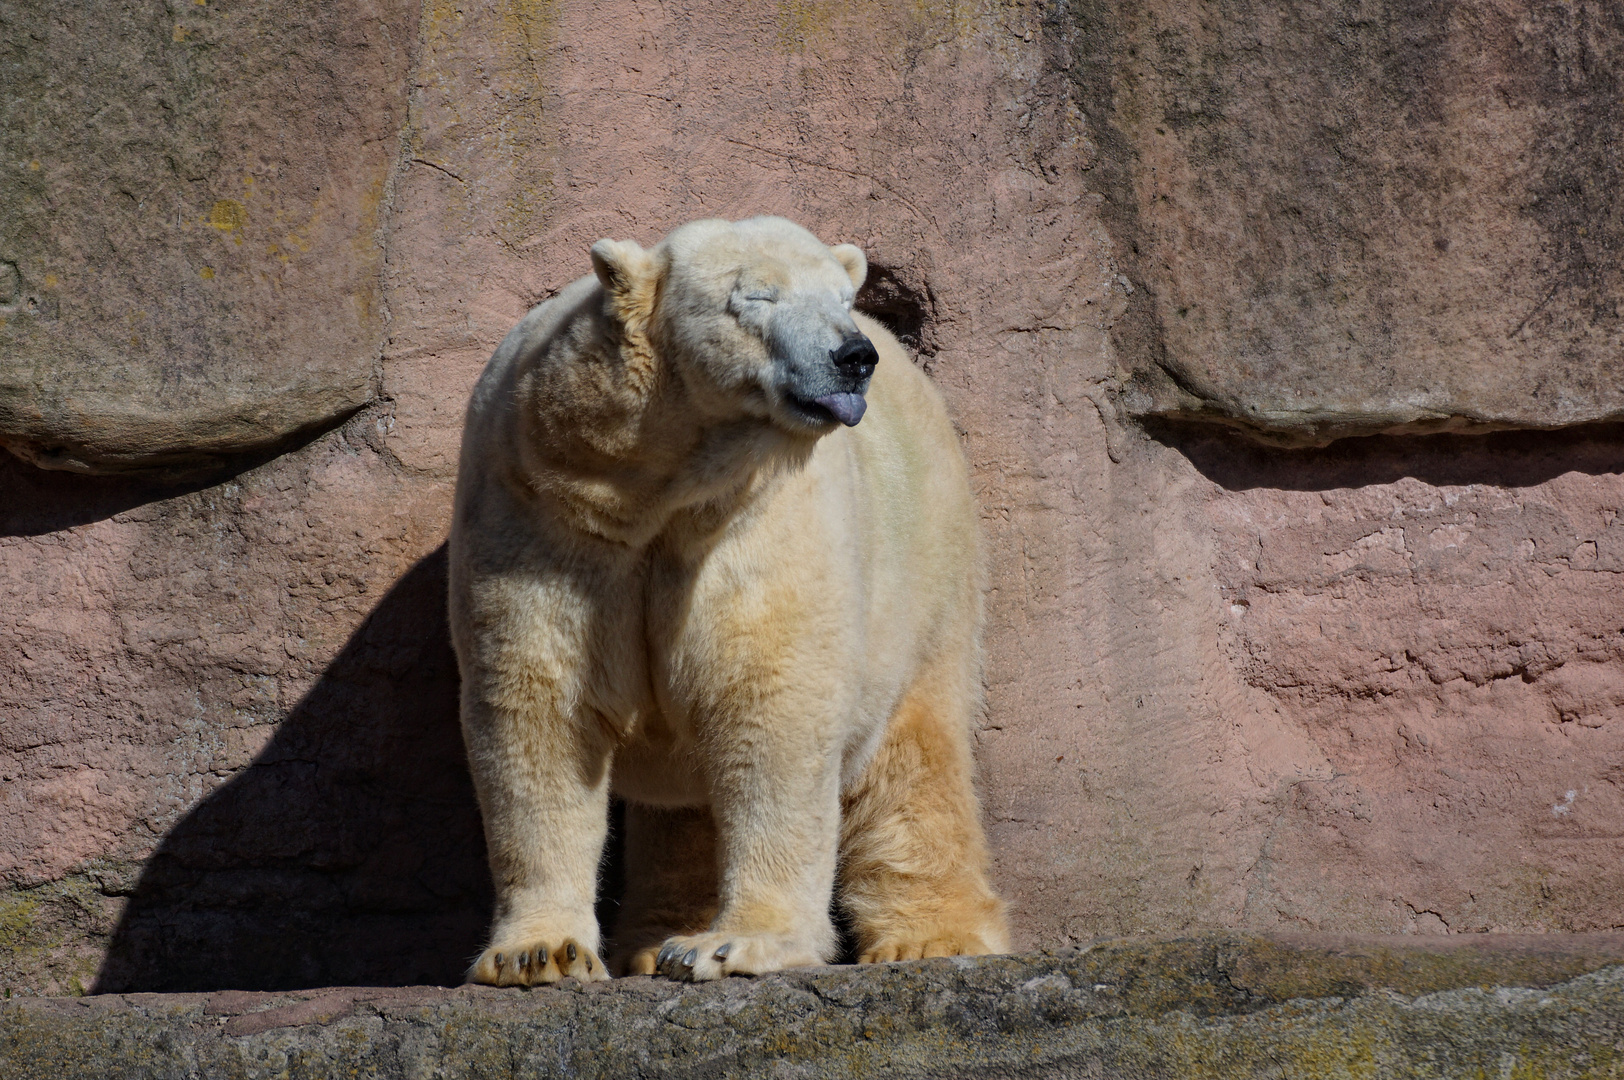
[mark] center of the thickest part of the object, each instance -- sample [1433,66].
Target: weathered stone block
[1346,217]
[1227,1007]
[189,193]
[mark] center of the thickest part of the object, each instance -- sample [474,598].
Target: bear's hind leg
[670,883]
[913,860]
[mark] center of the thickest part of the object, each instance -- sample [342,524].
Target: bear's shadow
[349,852]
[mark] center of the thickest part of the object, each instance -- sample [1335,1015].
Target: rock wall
[192,193]
[1374,686]
[1356,216]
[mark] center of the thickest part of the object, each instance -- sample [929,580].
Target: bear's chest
[729,644]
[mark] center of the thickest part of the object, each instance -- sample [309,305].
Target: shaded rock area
[1344,218]
[248,784]
[1227,1007]
[189,248]
[356,824]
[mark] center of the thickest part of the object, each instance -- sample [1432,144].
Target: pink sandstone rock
[1399,215]
[188,249]
[1349,689]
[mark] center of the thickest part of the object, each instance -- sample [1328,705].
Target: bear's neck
[622,453]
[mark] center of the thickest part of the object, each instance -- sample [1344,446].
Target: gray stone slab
[1343,217]
[190,255]
[1551,1006]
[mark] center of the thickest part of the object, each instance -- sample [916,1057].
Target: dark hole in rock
[903,302]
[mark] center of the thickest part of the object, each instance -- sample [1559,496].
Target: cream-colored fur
[676,577]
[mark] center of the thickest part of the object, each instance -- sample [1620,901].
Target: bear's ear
[852,258]
[631,280]
[621,265]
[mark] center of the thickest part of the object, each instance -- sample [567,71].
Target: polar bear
[714,551]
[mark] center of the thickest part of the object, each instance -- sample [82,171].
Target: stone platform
[1231,1006]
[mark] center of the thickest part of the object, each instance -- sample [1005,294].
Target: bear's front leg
[775,789]
[542,776]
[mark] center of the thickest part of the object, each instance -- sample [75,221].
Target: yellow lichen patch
[529,25]
[801,19]
[17,915]
[207,273]
[366,243]
[802,23]
[33,166]
[958,17]
[229,216]
[33,932]
[180,33]
[52,281]
[528,32]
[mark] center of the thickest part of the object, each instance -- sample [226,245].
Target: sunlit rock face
[1376,686]
[190,244]
[1347,218]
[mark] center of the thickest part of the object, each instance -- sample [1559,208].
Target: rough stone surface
[1344,689]
[189,216]
[1229,1007]
[1352,217]
[192,742]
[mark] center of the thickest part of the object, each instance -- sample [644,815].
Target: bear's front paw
[928,942]
[537,963]
[698,957]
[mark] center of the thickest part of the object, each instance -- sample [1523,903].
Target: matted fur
[671,579]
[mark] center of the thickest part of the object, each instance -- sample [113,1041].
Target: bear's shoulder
[527,342]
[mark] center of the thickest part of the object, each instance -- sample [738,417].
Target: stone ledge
[1231,1006]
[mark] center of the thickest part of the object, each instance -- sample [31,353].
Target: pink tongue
[848,408]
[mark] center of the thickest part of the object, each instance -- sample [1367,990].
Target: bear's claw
[537,965]
[700,957]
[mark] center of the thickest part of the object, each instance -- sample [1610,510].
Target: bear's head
[752,318]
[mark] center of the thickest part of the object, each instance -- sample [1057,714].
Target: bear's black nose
[856,356]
